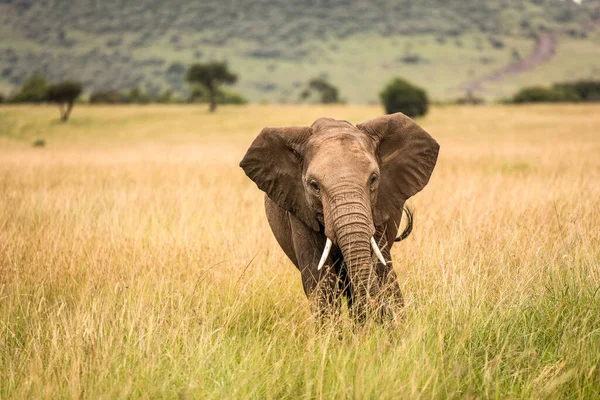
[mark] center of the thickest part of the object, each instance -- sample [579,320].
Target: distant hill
[447,46]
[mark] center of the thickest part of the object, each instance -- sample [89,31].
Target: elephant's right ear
[407,156]
[274,163]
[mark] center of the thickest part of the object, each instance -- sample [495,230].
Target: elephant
[334,199]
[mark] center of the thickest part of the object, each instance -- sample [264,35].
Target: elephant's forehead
[341,150]
[340,140]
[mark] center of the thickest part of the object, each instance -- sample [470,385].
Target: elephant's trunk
[349,222]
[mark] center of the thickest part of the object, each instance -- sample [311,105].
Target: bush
[540,94]
[327,93]
[588,91]
[166,97]
[137,96]
[496,43]
[39,143]
[230,97]
[567,92]
[201,95]
[470,99]
[34,90]
[133,96]
[401,96]
[109,96]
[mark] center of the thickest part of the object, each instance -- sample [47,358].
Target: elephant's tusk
[377,251]
[326,251]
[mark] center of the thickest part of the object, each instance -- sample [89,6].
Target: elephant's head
[344,180]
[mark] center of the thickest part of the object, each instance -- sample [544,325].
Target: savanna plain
[136,261]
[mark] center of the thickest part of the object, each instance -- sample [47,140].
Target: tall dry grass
[135,261]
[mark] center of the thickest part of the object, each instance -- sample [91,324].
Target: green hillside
[276,47]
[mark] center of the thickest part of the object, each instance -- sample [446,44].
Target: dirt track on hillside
[544,50]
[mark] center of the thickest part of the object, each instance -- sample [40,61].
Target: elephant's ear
[407,155]
[274,163]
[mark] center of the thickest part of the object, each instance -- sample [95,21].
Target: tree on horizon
[65,94]
[211,76]
[328,94]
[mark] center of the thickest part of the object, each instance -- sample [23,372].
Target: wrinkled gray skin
[347,183]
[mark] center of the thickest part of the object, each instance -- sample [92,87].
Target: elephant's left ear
[407,156]
[274,162]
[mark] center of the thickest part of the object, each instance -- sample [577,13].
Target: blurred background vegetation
[277,47]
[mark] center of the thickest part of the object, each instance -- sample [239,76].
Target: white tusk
[377,251]
[326,251]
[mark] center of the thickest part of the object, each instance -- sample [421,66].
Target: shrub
[137,96]
[496,43]
[133,96]
[165,97]
[587,90]
[328,94]
[412,59]
[401,96]
[230,97]
[540,94]
[34,90]
[201,95]
[39,143]
[109,96]
[470,99]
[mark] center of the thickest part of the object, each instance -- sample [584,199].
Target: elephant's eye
[314,186]
[373,181]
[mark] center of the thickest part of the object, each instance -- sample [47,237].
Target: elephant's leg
[321,286]
[390,294]
[280,225]
[302,246]
[390,288]
[323,293]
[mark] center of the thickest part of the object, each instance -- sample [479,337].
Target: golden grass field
[136,261]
